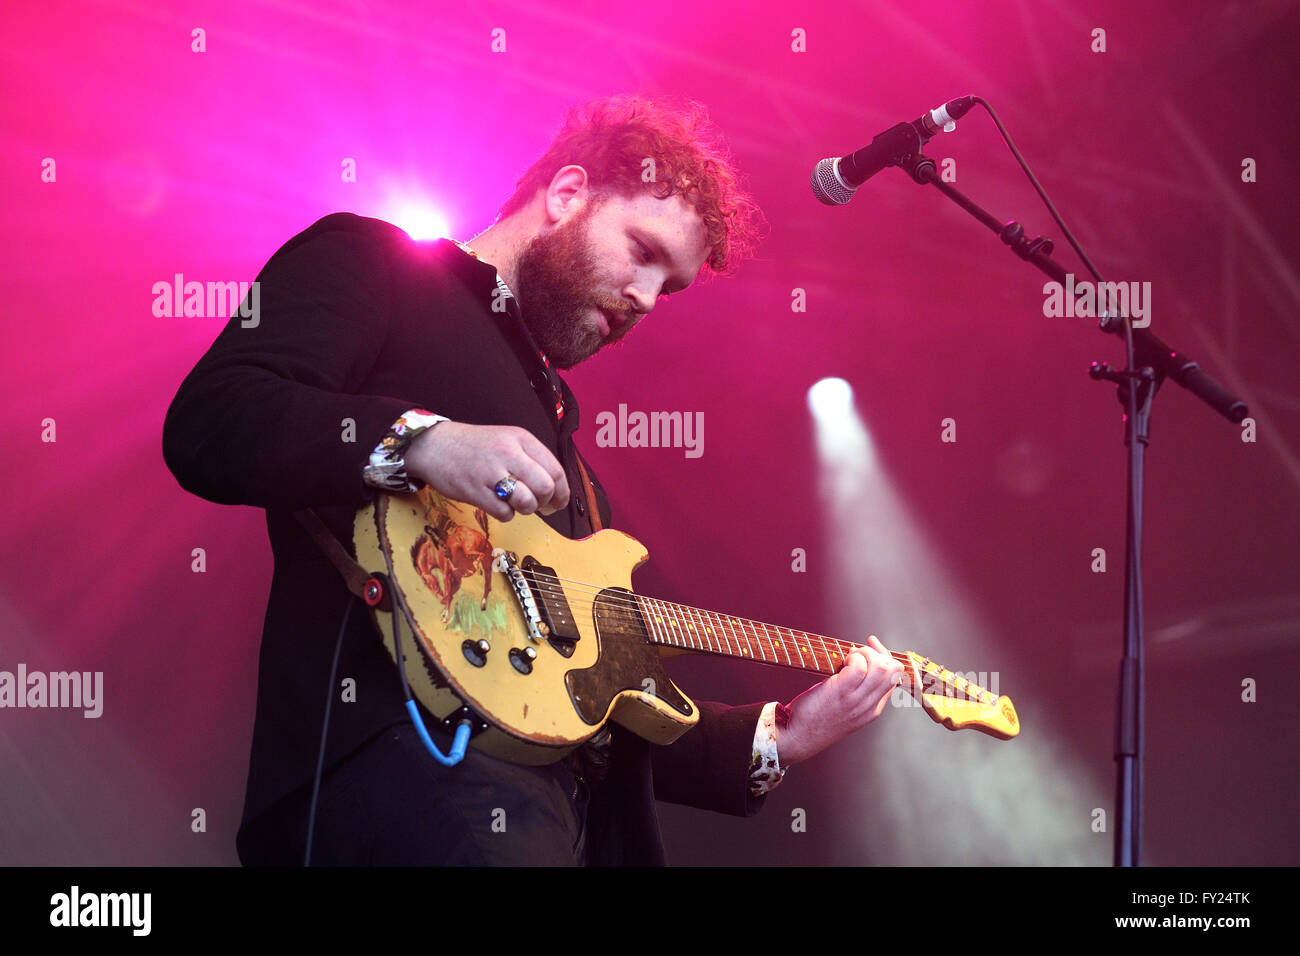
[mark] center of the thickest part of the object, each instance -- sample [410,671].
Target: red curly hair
[611,138]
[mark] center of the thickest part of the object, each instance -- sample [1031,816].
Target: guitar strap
[593,509]
[355,576]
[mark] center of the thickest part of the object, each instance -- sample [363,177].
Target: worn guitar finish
[540,640]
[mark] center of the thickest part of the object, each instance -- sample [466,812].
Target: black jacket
[357,324]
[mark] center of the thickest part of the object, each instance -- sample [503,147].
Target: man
[380,363]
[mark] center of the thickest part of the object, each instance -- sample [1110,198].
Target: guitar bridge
[541,599]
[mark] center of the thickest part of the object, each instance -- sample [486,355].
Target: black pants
[389,803]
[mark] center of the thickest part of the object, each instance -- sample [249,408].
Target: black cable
[1139,392]
[1042,193]
[399,610]
[324,731]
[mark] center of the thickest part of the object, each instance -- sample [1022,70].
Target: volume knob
[523,659]
[476,652]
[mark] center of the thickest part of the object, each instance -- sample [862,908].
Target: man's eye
[643,251]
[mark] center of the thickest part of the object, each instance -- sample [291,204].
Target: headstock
[957,703]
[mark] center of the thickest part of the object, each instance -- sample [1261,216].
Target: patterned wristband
[765,770]
[387,468]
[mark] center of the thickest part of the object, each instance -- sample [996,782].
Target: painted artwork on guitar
[452,552]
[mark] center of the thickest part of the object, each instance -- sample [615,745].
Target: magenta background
[171,161]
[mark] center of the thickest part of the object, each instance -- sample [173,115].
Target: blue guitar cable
[460,742]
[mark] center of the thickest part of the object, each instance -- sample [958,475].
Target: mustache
[624,313]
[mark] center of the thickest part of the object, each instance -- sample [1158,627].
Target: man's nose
[642,301]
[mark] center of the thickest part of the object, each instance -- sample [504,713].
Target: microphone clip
[919,166]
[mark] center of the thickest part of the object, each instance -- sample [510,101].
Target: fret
[821,658]
[744,633]
[748,647]
[696,635]
[781,646]
[808,648]
[711,629]
[727,628]
[728,624]
[680,625]
[830,665]
[702,628]
[647,615]
[664,632]
[791,637]
[763,641]
[706,633]
[771,647]
[798,650]
[836,656]
[776,646]
[670,624]
[762,634]
[681,621]
[697,628]
[661,622]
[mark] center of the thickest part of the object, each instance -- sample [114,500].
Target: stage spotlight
[842,441]
[421,222]
[885,577]
[830,398]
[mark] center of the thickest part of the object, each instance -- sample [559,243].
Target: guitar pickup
[557,623]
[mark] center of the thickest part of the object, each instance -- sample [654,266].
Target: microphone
[834,181]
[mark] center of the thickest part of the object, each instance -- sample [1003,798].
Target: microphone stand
[1150,362]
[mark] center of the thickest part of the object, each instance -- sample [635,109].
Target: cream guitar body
[539,639]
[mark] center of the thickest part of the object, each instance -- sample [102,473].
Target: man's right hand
[465,462]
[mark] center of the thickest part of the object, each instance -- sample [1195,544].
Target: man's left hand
[840,704]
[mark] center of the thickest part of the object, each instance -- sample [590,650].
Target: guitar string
[636,601]
[630,600]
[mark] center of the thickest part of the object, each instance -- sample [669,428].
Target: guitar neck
[708,632]
[949,698]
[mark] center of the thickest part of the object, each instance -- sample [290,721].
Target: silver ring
[506,487]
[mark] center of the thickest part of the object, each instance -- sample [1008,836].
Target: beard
[557,278]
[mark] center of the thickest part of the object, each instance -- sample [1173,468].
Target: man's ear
[566,193]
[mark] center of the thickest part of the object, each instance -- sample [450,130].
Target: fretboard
[676,625]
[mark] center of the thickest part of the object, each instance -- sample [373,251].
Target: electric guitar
[539,640]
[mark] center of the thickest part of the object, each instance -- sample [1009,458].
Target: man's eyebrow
[660,250]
